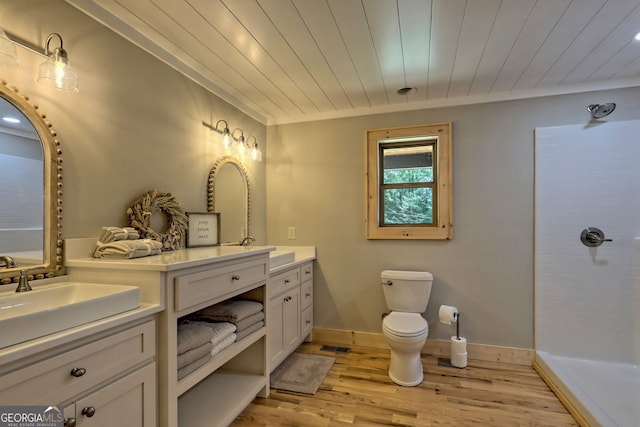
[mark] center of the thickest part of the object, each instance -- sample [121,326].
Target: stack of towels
[247,316]
[199,341]
[124,243]
[207,332]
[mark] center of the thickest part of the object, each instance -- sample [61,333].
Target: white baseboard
[490,353]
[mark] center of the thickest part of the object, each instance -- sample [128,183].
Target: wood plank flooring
[358,391]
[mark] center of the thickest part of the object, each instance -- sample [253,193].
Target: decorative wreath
[146,204]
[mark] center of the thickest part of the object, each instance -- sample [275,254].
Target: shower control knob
[593,237]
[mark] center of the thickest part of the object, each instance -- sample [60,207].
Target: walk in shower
[587,268]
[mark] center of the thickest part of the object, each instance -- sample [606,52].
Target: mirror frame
[52,215]
[211,191]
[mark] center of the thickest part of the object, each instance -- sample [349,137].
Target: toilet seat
[405,325]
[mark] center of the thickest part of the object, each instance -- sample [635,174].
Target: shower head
[599,111]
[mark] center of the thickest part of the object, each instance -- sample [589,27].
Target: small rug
[302,373]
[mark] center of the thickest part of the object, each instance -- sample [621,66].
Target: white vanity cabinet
[185,281]
[290,314]
[216,393]
[95,379]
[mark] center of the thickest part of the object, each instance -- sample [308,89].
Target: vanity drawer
[306,294]
[53,381]
[217,284]
[283,282]
[306,272]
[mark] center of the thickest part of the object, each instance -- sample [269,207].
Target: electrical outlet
[291,233]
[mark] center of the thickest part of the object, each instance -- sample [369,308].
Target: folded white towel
[223,344]
[247,331]
[192,335]
[111,234]
[125,249]
[230,311]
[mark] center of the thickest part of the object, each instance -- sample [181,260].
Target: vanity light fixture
[8,55]
[56,70]
[235,141]
[226,134]
[256,154]
[239,147]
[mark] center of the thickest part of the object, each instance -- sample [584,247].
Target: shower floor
[608,391]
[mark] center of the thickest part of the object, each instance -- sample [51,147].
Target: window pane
[407,164]
[408,206]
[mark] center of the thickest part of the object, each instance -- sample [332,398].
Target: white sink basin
[53,308]
[278,258]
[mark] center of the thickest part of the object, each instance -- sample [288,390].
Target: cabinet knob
[287,281]
[235,277]
[307,294]
[69,422]
[89,411]
[78,372]
[307,272]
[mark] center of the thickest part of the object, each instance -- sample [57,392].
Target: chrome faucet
[8,261]
[23,284]
[247,241]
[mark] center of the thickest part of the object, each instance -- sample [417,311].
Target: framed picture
[203,230]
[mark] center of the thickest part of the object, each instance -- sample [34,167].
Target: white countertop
[18,351]
[77,255]
[170,260]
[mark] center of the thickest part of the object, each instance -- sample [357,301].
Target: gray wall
[135,125]
[315,182]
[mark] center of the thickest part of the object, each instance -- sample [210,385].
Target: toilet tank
[407,291]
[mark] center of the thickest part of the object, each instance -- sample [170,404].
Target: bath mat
[302,373]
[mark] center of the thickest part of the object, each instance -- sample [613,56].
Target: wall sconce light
[235,141]
[55,71]
[240,147]
[256,154]
[8,55]
[226,135]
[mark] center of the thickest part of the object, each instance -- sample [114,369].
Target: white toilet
[406,294]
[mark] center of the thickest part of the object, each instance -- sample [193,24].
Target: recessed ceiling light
[11,119]
[636,37]
[406,90]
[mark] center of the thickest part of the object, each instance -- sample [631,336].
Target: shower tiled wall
[21,204]
[587,300]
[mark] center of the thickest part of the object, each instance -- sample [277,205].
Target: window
[409,183]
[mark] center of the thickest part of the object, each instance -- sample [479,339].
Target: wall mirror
[228,195]
[31,190]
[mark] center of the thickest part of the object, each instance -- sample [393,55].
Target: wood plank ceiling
[283,61]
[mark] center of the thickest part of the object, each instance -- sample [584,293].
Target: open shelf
[218,361]
[219,399]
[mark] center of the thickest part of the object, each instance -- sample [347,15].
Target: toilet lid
[405,324]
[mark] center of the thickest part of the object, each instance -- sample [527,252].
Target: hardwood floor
[358,391]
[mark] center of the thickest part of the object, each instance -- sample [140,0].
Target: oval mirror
[31,190]
[228,194]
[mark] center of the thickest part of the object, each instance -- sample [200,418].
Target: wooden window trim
[443,213]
